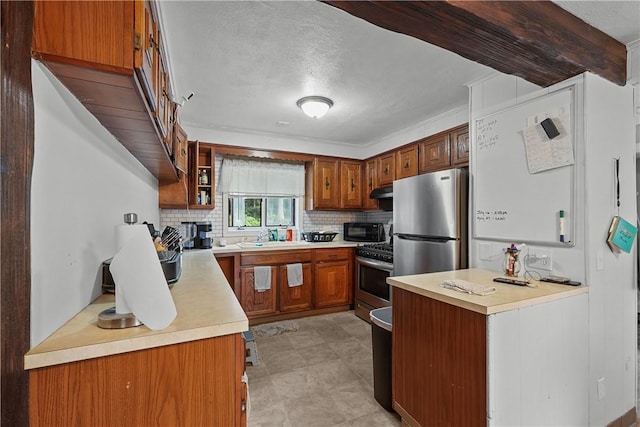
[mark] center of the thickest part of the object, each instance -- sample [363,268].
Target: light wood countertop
[507,297]
[206,305]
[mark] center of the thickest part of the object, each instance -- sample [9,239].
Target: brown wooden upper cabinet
[369,184]
[202,176]
[333,183]
[445,150]
[386,169]
[435,153]
[180,148]
[407,161]
[323,183]
[350,184]
[104,52]
[460,146]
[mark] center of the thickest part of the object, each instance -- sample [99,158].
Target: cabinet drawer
[323,255]
[273,258]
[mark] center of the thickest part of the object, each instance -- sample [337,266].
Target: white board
[510,203]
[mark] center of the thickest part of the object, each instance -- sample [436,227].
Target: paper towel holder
[109,319]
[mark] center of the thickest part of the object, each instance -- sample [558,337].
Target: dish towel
[262,278]
[294,274]
[468,287]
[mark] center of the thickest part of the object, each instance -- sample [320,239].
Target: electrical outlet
[540,259]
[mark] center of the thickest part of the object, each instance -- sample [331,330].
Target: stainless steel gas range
[374,263]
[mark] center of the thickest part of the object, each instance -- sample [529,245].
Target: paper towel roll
[141,287]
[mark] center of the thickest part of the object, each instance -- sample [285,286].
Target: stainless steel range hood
[384,195]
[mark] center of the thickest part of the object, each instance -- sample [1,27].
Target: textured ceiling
[249,62]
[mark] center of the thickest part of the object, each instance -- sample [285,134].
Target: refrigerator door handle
[423,238]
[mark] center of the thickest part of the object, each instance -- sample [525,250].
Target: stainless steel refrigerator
[430,222]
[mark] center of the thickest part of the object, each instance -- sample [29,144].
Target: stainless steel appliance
[374,263]
[363,232]
[430,222]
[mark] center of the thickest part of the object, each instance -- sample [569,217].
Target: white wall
[430,126]
[605,130]
[83,182]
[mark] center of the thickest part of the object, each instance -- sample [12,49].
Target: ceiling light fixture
[315,106]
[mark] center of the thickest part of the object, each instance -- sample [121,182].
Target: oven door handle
[375,264]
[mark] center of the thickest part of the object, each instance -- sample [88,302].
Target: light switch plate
[485,251]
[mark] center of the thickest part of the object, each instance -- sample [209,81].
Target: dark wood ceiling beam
[536,40]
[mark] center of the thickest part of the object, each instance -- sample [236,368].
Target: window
[254,212]
[260,194]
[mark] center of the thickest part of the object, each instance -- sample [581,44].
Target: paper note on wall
[544,153]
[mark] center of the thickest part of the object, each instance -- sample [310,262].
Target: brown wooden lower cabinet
[196,383]
[280,298]
[439,362]
[258,303]
[333,277]
[295,298]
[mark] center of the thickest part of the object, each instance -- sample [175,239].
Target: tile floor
[320,375]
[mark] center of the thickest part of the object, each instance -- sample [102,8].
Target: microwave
[363,232]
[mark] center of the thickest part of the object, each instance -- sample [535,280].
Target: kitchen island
[189,373]
[516,357]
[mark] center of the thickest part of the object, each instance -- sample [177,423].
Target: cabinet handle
[386,170]
[353,185]
[406,165]
[326,183]
[243,406]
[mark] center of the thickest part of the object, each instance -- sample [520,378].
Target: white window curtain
[263,178]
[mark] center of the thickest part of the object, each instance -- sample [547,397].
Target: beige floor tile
[307,338]
[272,345]
[294,384]
[258,371]
[378,418]
[332,333]
[355,399]
[283,361]
[321,411]
[350,347]
[333,373]
[269,416]
[358,329]
[316,321]
[318,354]
[320,375]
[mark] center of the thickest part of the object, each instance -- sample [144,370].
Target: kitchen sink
[271,245]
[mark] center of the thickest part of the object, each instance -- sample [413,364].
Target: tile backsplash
[311,220]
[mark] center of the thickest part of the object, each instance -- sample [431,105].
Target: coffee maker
[201,238]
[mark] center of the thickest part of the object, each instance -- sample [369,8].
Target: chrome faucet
[262,234]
